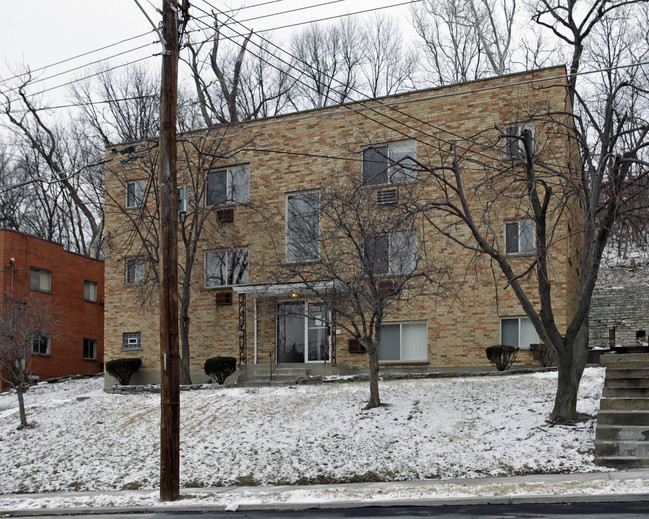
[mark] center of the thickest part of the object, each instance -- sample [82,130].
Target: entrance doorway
[302,332]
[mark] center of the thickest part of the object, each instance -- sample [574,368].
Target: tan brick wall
[309,147]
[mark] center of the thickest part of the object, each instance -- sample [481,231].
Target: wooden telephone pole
[169,355]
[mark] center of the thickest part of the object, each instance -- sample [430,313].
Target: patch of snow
[429,429]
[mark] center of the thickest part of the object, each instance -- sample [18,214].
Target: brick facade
[77,319]
[296,152]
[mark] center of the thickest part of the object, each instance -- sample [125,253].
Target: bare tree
[23,326]
[328,61]
[466,39]
[364,261]
[50,159]
[134,197]
[389,65]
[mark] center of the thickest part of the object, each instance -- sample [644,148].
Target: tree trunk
[373,354]
[570,364]
[185,371]
[21,405]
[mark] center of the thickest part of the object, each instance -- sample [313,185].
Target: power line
[72,58]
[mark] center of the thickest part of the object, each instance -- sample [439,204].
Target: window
[90,291]
[132,341]
[403,342]
[134,271]
[135,193]
[515,136]
[517,331]
[89,349]
[392,253]
[230,185]
[40,280]
[41,345]
[303,227]
[226,267]
[519,237]
[392,163]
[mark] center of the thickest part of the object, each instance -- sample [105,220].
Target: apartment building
[70,288]
[259,189]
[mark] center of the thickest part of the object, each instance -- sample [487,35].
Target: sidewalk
[602,486]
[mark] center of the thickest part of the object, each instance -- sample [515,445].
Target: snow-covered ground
[88,440]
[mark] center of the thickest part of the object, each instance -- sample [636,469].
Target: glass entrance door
[302,333]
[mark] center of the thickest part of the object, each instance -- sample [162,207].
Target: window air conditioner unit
[225,215]
[386,196]
[224,298]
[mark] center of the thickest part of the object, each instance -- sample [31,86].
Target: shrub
[220,368]
[542,355]
[122,369]
[502,356]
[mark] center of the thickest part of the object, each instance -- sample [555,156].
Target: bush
[122,369]
[220,368]
[542,355]
[502,356]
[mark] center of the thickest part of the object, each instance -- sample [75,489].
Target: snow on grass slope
[430,428]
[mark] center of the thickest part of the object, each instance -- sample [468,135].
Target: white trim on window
[514,147]
[131,341]
[518,331]
[89,291]
[134,194]
[42,345]
[391,163]
[226,267]
[40,280]
[303,227]
[89,349]
[228,186]
[520,236]
[404,342]
[134,272]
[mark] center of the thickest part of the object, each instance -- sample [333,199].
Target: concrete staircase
[257,375]
[622,434]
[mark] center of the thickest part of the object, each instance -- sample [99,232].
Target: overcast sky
[39,33]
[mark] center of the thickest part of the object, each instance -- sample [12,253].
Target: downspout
[255,326]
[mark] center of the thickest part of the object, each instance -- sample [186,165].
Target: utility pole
[170,358]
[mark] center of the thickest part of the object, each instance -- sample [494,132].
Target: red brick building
[73,285]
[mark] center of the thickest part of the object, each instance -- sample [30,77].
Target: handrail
[272,365]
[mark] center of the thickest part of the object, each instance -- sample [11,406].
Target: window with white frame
[226,267]
[132,341]
[134,193]
[303,227]
[406,342]
[230,185]
[41,345]
[517,331]
[90,291]
[519,237]
[392,163]
[134,271]
[40,280]
[394,253]
[515,137]
[89,349]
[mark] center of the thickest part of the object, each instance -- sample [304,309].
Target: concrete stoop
[259,375]
[622,434]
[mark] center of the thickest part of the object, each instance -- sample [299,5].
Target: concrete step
[623,417]
[628,404]
[633,433]
[610,359]
[627,382]
[625,392]
[623,449]
[617,462]
[614,372]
